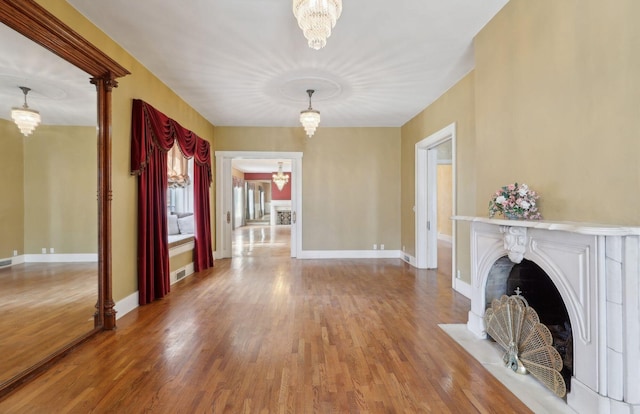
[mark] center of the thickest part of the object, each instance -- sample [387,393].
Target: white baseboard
[126,305]
[59,258]
[13,260]
[350,254]
[445,238]
[463,288]
[131,302]
[188,269]
[408,258]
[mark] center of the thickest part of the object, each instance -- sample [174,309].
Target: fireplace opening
[531,282]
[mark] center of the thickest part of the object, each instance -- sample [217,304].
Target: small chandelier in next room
[310,118]
[316,18]
[26,118]
[280,178]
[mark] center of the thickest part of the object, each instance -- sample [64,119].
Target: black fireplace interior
[541,294]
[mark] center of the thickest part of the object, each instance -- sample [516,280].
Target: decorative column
[105,315]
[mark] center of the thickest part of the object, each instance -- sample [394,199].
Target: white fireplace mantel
[596,269]
[570,226]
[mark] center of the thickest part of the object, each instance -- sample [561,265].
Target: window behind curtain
[179,186]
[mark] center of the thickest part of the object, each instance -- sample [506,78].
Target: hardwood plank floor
[43,306]
[271,334]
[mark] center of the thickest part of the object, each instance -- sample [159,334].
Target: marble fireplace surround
[596,269]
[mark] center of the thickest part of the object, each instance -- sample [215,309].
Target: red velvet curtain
[152,136]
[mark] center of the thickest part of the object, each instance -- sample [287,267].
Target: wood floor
[43,306]
[270,334]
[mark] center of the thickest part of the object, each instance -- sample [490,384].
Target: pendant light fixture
[316,18]
[280,178]
[310,118]
[26,118]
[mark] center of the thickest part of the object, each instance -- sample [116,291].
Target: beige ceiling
[246,62]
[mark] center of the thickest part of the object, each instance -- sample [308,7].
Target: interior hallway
[271,334]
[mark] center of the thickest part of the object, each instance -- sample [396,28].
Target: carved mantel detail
[515,242]
[595,269]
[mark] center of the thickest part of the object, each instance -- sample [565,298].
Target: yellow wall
[455,106]
[180,260]
[141,84]
[60,190]
[11,188]
[557,107]
[553,102]
[50,178]
[351,181]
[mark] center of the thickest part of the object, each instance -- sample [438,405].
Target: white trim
[58,258]
[351,254]
[426,252]
[224,196]
[15,260]
[188,271]
[462,287]
[408,259]
[445,238]
[126,305]
[182,248]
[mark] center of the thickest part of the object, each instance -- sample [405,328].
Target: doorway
[225,197]
[438,149]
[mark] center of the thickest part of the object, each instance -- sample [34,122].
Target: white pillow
[172,224]
[186,225]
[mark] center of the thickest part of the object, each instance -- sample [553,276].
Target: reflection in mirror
[48,214]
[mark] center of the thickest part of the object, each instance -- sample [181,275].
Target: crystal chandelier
[310,118]
[280,178]
[316,18]
[26,119]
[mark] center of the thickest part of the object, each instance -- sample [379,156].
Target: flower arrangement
[515,201]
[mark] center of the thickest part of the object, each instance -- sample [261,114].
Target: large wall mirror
[55,242]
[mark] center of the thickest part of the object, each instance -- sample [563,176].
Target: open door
[426,210]
[224,197]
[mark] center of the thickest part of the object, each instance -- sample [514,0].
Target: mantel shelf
[570,226]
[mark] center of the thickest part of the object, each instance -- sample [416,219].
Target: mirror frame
[34,22]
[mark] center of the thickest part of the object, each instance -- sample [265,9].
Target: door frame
[224,197]
[426,228]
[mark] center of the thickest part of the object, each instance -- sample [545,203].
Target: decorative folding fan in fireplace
[528,343]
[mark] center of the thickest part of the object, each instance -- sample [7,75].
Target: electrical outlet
[382,247]
[44,250]
[51,250]
[375,247]
[403,249]
[15,252]
[458,274]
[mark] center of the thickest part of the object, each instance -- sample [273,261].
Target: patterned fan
[528,343]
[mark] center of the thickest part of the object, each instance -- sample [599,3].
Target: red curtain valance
[151,128]
[152,136]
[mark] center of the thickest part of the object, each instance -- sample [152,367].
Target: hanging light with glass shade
[26,118]
[316,18]
[280,178]
[310,118]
